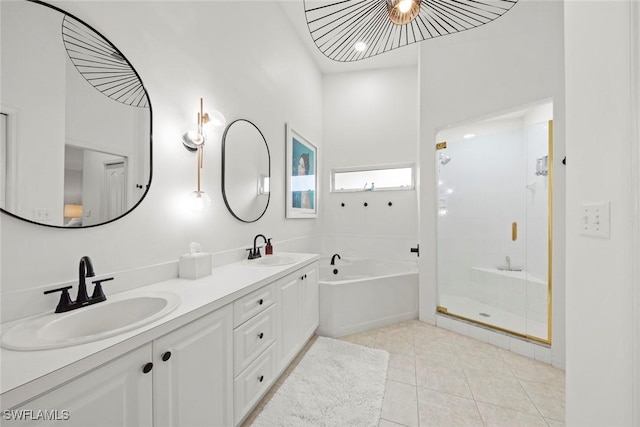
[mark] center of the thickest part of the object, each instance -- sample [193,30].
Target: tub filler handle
[416,249]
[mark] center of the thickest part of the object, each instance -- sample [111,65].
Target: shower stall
[494,234]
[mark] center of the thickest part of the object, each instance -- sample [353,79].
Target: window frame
[389,166]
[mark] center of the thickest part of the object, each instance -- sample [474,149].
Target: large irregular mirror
[246,170]
[75,122]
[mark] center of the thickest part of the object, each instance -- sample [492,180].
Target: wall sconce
[194,140]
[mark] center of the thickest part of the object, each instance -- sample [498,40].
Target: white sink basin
[272,260]
[118,314]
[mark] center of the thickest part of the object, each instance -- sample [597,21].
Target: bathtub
[361,294]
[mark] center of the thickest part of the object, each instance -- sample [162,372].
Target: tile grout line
[522,387]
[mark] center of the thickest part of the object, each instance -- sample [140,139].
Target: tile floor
[440,378]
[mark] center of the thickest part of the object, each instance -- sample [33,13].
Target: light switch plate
[595,219]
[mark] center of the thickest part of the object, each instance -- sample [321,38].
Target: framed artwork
[301,176]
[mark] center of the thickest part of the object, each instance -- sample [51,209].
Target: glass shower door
[493,234]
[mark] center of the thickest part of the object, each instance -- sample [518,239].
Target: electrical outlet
[595,219]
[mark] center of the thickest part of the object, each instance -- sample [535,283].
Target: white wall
[600,282]
[184,51]
[370,119]
[480,73]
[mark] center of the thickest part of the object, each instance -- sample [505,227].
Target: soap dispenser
[268,250]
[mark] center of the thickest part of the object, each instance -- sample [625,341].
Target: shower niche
[494,191]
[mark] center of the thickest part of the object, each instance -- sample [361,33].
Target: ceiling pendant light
[403,11]
[352,30]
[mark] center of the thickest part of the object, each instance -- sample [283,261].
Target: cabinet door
[310,302]
[116,394]
[194,385]
[288,294]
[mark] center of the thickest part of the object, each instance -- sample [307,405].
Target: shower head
[444,159]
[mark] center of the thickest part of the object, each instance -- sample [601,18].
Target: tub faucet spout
[333,259]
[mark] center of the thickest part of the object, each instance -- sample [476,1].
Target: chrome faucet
[85,269]
[255,252]
[333,259]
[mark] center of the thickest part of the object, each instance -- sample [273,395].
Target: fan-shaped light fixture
[403,11]
[352,30]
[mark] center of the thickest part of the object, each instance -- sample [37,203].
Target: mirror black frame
[224,193]
[148,185]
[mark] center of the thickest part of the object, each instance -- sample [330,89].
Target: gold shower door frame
[547,341]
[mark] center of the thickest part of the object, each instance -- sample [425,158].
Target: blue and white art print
[302,179]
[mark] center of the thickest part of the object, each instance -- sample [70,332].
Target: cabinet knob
[260,378]
[260,301]
[166,356]
[147,368]
[260,335]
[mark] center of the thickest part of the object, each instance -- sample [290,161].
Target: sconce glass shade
[198,201]
[403,11]
[385,25]
[191,139]
[216,120]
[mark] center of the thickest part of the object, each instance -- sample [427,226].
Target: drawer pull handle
[260,335]
[147,368]
[260,378]
[166,356]
[260,301]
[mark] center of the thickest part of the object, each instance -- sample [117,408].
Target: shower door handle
[514,231]
[416,249]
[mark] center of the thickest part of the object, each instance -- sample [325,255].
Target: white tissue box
[194,266]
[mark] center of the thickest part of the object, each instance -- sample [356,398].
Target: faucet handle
[98,294]
[65,300]
[250,253]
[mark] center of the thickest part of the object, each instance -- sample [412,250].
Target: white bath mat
[335,384]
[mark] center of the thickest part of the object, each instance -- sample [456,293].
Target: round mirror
[246,170]
[75,121]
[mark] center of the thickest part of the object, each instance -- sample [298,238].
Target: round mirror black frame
[146,94]
[224,193]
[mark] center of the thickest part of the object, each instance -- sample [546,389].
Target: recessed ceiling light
[469,135]
[360,46]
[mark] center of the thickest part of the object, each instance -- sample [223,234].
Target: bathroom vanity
[209,361]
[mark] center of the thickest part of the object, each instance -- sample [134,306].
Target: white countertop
[25,374]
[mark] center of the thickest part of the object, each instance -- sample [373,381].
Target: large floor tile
[444,410]
[548,398]
[402,369]
[496,416]
[442,378]
[501,391]
[395,343]
[400,404]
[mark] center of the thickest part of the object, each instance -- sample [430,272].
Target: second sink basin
[117,315]
[271,260]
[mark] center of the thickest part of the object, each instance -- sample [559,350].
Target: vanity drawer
[254,381]
[252,338]
[250,305]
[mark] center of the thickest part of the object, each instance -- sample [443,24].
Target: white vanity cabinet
[115,394]
[298,312]
[193,373]
[184,378]
[210,371]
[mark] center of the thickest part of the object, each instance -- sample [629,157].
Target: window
[367,178]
